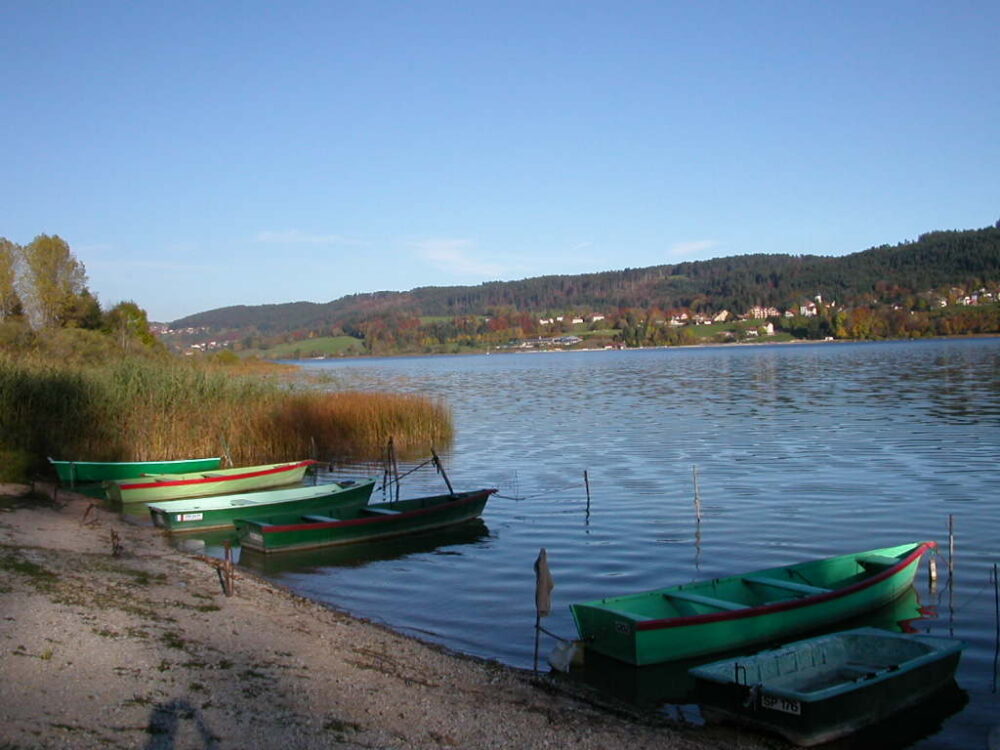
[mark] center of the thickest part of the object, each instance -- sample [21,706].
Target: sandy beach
[142,649]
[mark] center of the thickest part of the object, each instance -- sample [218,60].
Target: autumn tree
[55,284]
[128,324]
[10,301]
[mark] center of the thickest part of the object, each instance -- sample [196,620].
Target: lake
[799,451]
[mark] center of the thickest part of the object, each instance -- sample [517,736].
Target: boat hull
[203,484]
[379,521]
[817,690]
[219,512]
[76,472]
[709,617]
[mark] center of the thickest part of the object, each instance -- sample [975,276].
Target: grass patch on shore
[140,410]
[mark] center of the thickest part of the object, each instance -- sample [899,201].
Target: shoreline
[143,649]
[297,363]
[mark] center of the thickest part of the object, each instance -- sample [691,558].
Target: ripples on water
[801,451]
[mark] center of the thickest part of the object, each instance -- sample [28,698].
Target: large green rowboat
[156,487]
[723,614]
[218,512]
[77,472]
[297,531]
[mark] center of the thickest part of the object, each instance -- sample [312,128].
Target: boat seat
[321,519]
[708,601]
[798,588]
[877,561]
[380,511]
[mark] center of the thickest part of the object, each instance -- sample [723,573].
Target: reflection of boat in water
[359,555]
[669,683]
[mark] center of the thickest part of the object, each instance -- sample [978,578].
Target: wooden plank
[708,601]
[877,561]
[798,588]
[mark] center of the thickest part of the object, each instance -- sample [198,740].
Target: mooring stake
[586,483]
[116,544]
[697,493]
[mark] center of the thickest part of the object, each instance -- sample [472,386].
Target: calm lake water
[801,451]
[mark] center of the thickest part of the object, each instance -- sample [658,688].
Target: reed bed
[139,410]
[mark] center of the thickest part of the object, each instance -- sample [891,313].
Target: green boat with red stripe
[155,487]
[299,531]
[706,617]
[80,472]
[219,511]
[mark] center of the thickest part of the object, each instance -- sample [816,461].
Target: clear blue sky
[203,154]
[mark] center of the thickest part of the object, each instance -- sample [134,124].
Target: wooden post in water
[951,544]
[697,494]
[586,483]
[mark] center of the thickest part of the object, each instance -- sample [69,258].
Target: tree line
[900,274]
[45,305]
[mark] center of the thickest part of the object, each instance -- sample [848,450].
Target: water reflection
[442,542]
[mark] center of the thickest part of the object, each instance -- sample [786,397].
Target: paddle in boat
[297,531]
[76,472]
[724,614]
[218,512]
[816,690]
[154,487]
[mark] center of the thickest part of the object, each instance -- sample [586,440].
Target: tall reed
[137,410]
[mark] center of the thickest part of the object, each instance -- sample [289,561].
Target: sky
[199,155]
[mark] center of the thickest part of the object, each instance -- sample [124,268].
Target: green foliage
[54,283]
[127,323]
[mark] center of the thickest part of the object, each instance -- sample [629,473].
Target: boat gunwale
[781,606]
[275,469]
[266,528]
[253,502]
[66,462]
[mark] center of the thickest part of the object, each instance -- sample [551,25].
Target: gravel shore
[142,649]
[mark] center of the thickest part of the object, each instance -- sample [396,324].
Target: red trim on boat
[374,519]
[227,477]
[766,609]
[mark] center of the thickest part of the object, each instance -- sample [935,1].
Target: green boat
[723,614]
[817,690]
[297,531]
[77,472]
[154,487]
[218,512]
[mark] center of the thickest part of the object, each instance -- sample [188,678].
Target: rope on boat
[395,480]
[540,494]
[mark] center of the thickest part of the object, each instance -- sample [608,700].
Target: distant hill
[935,261]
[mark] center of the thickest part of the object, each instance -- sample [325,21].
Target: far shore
[113,638]
[710,345]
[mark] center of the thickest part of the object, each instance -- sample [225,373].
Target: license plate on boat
[189,517]
[776,703]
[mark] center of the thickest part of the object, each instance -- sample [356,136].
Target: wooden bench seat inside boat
[380,511]
[321,519]
[793,586]
[877,561]
[708,601]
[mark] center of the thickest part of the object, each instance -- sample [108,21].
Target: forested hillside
[907,275]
